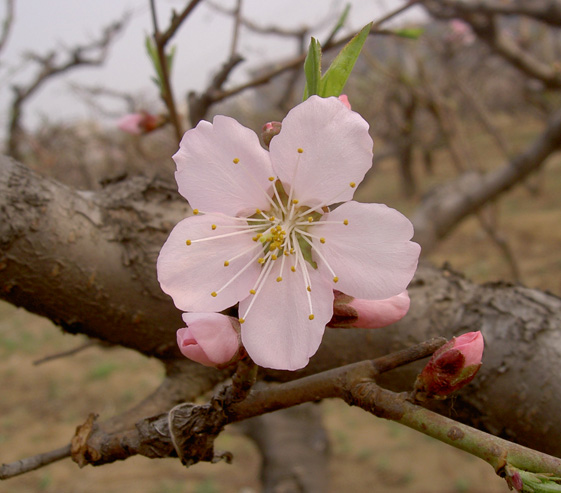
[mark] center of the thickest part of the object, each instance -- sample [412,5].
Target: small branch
[31,463]
[235,35]
[7,24]
[64,354]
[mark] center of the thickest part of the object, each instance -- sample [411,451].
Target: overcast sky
[202,43]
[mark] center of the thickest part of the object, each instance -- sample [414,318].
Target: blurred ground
[41,405]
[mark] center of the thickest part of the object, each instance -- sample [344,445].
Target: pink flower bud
[269,130]
[368,314]
[452,366]
[345,100]
[211,339]
[138,123]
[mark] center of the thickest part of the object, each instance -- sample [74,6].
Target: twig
[63,354]
[236,32]
[35,462]
[7,24]
[160,40]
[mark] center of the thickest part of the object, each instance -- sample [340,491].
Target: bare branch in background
[7,24]
[91,54]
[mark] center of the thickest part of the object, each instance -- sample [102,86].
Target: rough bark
[86,261]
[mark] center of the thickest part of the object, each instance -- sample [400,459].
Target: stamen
[261,280]
[213,227]
[311,316]
[238,274]
[226,263]
[300,150]
[195,211]
[315,249]
[352,184]
[235,160]
[346,222]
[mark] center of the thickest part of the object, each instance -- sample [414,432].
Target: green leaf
[334,80]
[312,69]
[340,22]
[410,32]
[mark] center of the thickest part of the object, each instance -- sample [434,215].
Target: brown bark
[86,261]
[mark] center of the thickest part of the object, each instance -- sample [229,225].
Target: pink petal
[375,314]
[337,151]
[214,334]
[372,255]
[189,274]
[131,123]
[277,332]
[207,175]
[190,349]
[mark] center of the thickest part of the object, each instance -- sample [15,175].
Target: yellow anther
[279,279]
[255,238]
[261,260]
[279,228]
[273,257]
[309,288]
[292,251]
[188,242]
[272,218]
[300,150]
[293,269]
[214,294]
[322,240]
[294,201]
[335,279]
[352,184]
[226,263]
[271,178]
[241,320]
[257,211]
[285,253]
[346,222]
[252,291]
[195,211]
[235,160]
[310,219]
[213,227]
[311,316]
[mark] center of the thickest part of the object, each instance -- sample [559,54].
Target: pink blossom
[461,32]
[452,366]
[209,338]
[262,233]
[368,314]
[137,123]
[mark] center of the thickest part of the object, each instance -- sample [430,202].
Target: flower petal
[221,167]
[372,255]
[277,332]
[211,333]
[190,273]
[336,151]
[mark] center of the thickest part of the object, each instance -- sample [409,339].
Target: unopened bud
[345,100]
[451,367]
[211,339]
[367,314]
[269,130]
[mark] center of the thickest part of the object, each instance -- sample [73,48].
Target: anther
[273,257]
[257,211]
[279,279]
[310,219]
[261,260]
[294,201]
[346,222]
[235,160]
[322,240]
[188,242]
[195,211]
[352,184]
[272,218]
[311,316]
[293,269]
[213,294]
[335,279]
[309,288]
[241,320]
[252,291]
[213,227]
[271,178]
[300,150]
[226,263]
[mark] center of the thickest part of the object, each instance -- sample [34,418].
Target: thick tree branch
[86,260]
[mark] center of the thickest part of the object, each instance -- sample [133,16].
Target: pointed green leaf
[340,21]
[334,80]
[312,69]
